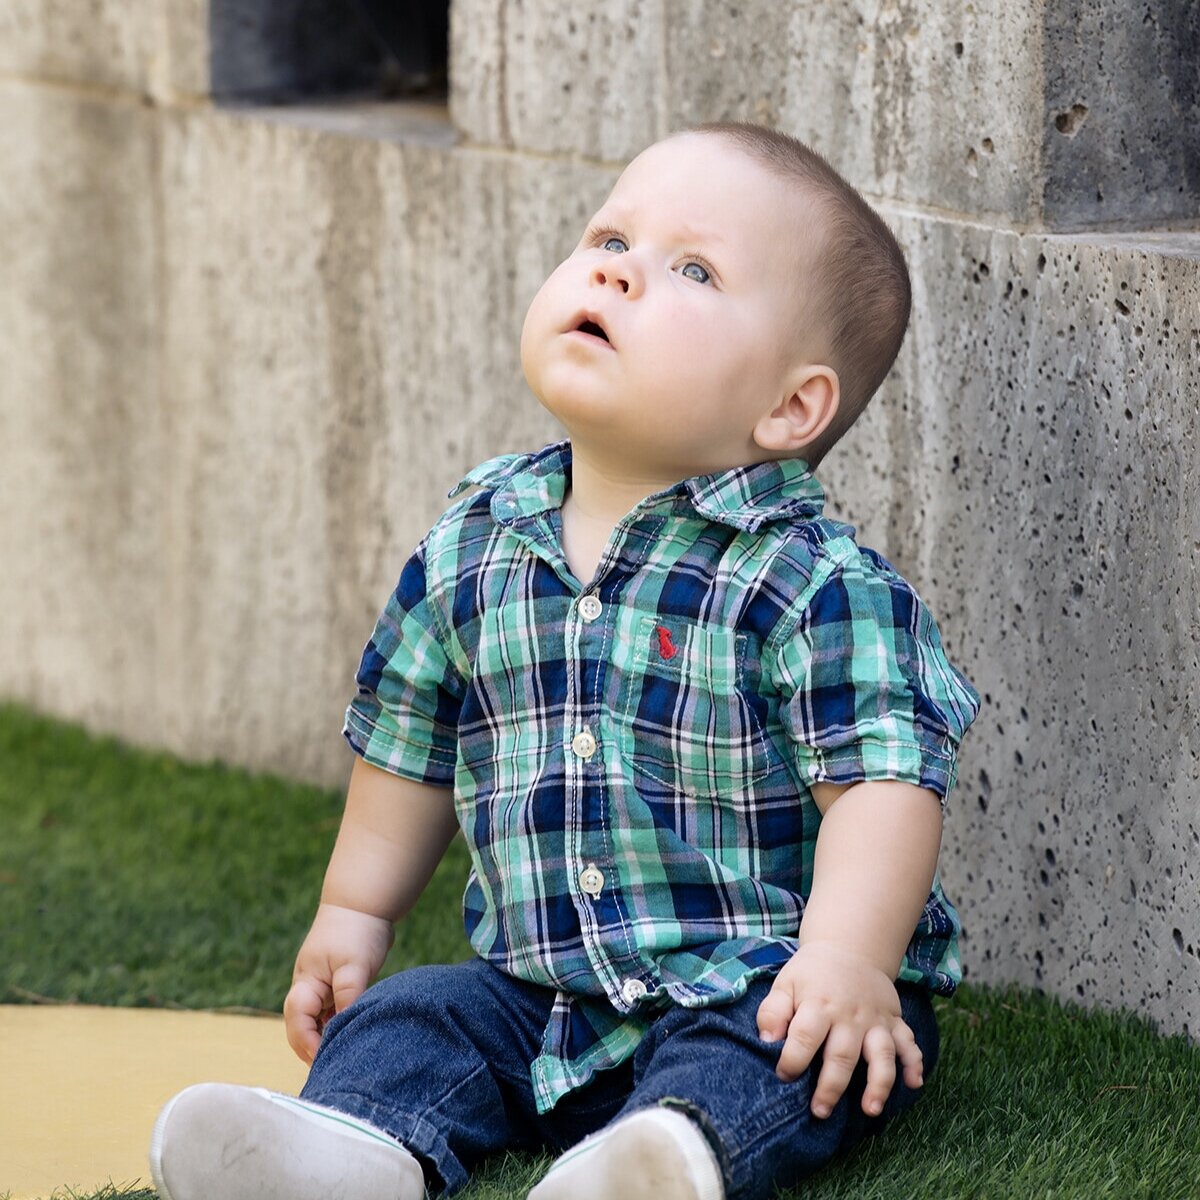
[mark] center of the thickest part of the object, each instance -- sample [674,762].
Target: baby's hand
[827,994]
[340,957]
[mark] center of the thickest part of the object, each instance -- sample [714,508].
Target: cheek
[537,322]
[717,351]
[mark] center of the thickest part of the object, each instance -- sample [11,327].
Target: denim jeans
[439,1058]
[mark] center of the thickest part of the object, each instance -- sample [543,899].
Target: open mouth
[592,329]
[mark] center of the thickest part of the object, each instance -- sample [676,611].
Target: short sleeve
[405,715]
[868,692]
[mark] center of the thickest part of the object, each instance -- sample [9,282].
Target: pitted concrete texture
[83,1086]
[1122,109]
[1031,466]
[932,103]
[1036,114]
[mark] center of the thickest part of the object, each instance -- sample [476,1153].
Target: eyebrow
[690,233]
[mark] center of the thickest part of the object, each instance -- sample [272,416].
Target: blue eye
[694,270]
[614,245]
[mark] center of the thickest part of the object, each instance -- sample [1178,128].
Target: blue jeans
[439,1058]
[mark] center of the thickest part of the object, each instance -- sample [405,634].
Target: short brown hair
[865,293]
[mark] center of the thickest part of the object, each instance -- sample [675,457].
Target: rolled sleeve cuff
[879,758]
[378,741]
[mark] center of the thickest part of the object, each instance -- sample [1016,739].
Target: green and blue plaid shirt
[631,758]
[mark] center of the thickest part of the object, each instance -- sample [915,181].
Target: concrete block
[158,49]
[102,42]
[341,345]
[924,103]
[1031,467]
[555,77]
[80,449]
[1050,113]
[928,103]
[726,61]
[1122,110]
[182,64]
[478,71]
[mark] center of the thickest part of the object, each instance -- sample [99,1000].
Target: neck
[603,491]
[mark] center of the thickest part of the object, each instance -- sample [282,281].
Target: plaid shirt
[631,760]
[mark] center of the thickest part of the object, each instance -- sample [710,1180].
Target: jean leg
[711,1063]
[438,1057]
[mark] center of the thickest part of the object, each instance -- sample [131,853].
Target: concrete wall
[247,351]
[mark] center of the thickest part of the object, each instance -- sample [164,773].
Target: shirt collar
[744,497]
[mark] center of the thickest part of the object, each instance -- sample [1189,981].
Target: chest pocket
[686,720]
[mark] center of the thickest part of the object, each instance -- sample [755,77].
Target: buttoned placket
[604,926]
[595,879]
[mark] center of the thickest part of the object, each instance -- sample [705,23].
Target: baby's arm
[393,834]
[876,854]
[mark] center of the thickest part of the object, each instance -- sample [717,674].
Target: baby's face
[674,324]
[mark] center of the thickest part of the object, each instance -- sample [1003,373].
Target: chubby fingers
[807,1030]
[303,1007]
[879,1049]
[775,1012]
[909,1054]
[843,1047]
[350,980]
[883,1046]
[801,1029]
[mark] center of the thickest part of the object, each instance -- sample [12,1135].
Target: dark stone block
[1122,132]
[282,50]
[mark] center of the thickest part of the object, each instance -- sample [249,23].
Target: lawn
[132,878]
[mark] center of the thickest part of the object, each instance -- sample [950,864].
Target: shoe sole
[217,1141]
[633,1161]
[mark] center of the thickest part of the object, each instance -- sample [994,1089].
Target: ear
[804,413]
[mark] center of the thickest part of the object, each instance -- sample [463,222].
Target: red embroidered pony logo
[666,647]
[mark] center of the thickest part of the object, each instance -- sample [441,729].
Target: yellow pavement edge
[80,1087]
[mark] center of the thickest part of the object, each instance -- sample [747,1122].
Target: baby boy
[696,739]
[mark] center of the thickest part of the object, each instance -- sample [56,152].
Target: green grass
[132,878]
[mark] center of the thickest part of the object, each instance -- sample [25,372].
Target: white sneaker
[654,1154]
[215,1141]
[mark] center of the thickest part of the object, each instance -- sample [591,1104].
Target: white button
[632,989]
[589,607]
[591,879]
[584,744]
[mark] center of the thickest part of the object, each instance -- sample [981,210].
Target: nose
[618,270]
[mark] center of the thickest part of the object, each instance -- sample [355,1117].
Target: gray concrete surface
[105,43]
[1121,145]
[156,50]
[79,393]
[924,102]
[1032,466]
[247,353]
[1051,113]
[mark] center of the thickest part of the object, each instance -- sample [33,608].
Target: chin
[572,401]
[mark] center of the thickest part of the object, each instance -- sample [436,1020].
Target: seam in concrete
[316,117]
[107,93]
